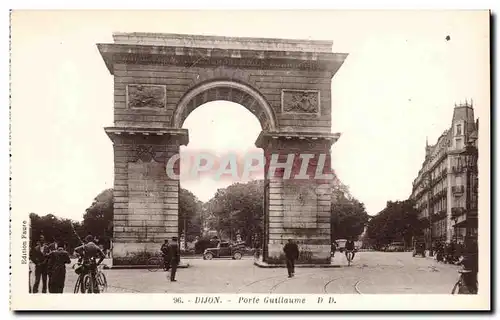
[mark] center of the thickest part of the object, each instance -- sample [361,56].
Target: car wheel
[237,256]
[208,256]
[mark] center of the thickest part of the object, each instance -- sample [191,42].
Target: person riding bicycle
[334,247]
[90,256]
[350,247]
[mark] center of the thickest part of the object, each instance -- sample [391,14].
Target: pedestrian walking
[39,258]
[173,257]
[291,253]
[56,265]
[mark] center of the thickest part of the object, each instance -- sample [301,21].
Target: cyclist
[90,257]
[334,247]
[349,247]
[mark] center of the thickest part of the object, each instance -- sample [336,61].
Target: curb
[265,265]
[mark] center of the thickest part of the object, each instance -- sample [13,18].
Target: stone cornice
[240,58]
[156,133]
[265,137]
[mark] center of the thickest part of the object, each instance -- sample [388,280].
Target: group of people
[171,256]
[448,252]
[465,254]
[50,261]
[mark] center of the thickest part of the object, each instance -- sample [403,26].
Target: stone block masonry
[159,79]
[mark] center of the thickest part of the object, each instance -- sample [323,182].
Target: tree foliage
[98,218]
[55,229]
[190,211]
[348,215]
[397,222]
[237,209]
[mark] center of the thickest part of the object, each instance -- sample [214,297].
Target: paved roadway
[371,272]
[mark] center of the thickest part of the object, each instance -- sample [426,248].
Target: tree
[397,222]
[348,215]
[98,218]
[348,219]
[54,229]
[190,211]
[238,209]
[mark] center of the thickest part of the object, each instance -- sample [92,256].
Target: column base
[309,254]
[262,264]
[134,253]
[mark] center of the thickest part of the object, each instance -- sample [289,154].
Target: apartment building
[445,189]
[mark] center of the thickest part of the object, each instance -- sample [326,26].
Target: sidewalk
[108,264]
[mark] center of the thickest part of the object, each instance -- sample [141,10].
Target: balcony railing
[457,169]
[444,173]
[457,190]
[457,211]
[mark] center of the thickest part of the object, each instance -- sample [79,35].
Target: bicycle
[349,255]
[156,262]
[461,284]
[102,282]
[90,279]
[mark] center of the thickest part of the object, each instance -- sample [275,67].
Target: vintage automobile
[418,248]
[224,250]
[396,247]
[341,244]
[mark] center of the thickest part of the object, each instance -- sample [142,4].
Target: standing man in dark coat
[39,258]
[173,257]
[56,265]
[164,251]
[291,253]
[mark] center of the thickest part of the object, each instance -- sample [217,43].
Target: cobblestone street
[371,272]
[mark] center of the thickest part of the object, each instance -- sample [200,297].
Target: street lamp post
[455,219]
[185,233]
[428,185]
[471,163]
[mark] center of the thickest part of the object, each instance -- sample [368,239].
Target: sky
[397,86]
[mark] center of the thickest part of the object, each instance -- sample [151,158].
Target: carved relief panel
[146,96]
[300,101]
[300,205]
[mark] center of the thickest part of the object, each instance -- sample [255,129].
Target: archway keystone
[160,78]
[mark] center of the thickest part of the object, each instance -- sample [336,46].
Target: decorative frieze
[300,101]
[146,96]
[147,154]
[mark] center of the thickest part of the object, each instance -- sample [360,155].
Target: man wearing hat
[173,257]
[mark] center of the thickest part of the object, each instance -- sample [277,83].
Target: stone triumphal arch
[160,78]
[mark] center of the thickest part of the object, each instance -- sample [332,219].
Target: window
[458,143]
[459,129]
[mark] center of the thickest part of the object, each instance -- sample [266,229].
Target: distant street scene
[371,272]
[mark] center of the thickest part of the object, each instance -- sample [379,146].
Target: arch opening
[226,90]
[215,133]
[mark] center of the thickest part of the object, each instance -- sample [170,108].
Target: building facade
[445,191]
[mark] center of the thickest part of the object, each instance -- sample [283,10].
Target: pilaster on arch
[228,90]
